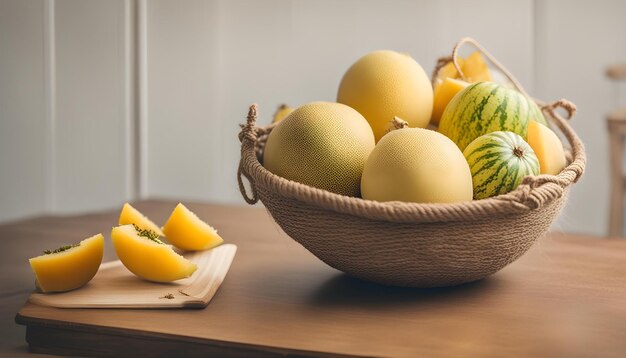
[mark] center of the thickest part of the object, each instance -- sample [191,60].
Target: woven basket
[409,244]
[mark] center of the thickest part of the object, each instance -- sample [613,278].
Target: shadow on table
[342,289]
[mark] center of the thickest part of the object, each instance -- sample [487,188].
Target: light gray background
[75,82]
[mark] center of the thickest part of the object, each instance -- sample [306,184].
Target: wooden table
[566,297]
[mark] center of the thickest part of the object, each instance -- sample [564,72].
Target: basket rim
[533,193]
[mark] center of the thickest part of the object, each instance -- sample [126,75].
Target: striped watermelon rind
[536,114]
[498,162]
[485,107]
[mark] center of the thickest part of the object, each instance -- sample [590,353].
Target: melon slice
[476,69]
[146,256]
[444,92]
[282,112]
[449,71]
[548,148]
[187,232]
[68,267]
[130,215]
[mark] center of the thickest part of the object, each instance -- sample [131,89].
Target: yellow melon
[548,148]
[148,257]
[186,231]
[476,69]
[321,144]
[130,215]
[444,93]
[384,84]
[281,112]
[416,165]
[68,267]
[449,71]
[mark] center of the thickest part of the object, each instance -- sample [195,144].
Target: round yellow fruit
[548,148]
[321,144]
[384,84]
[416,165]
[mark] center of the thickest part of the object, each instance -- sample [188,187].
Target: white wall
[575,42]
[200,63]
[209,60]
[64,119]
[23,121]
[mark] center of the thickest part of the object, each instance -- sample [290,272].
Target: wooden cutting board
[116,287]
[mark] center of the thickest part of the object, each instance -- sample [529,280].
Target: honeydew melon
[68,267]
[416,165]
[321,144]
[384,84]
[186,231]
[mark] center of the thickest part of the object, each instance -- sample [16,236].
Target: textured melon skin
[547,147]
[482,108]
[386,84]
[321,144]
[495,167]
[416,165]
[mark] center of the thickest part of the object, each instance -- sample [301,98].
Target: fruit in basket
[147,257]
[130,215]
[416,165]
[449,71]
[475,69]
[68,267]
[186,231]
[536,114]
[385,84]
[482,108]
[548,148]
[444,92]
[281,112]
[498,162]
[321,144]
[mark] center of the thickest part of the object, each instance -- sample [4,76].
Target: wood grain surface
[566,297]
[116,287]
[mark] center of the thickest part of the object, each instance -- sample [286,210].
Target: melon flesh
[69,269]
[187,232]
[130,215]
[476,69]
[449,71]
[547,147]
[148,259]
[444,93]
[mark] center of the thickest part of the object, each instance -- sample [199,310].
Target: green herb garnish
[60,249]
[148,234]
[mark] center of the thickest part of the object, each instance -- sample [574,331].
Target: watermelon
[498,162]
[486,107]
[536,114]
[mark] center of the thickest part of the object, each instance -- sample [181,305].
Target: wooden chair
[616,122]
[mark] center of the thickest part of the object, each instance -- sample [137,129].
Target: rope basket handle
[248,137]
[576,168]
[534,191]
[442,61]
